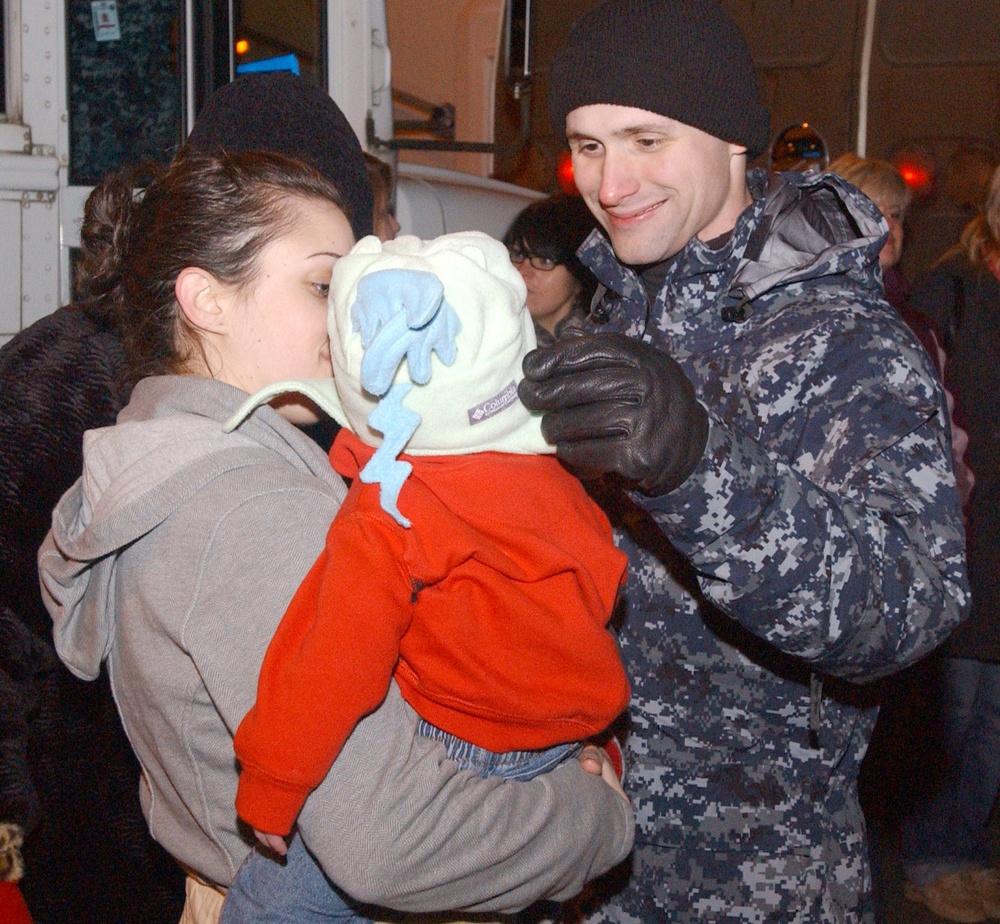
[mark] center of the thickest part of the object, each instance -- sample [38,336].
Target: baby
[466,563]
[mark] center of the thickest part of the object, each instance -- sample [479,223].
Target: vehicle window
[125,95]
[273,29]
[940,32]
[445,62]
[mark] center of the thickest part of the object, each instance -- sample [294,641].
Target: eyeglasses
[517,257]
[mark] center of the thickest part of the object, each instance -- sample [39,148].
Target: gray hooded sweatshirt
[172,559]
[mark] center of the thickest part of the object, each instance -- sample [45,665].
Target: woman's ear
[200,297]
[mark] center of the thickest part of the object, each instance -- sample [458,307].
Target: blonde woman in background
[945,847]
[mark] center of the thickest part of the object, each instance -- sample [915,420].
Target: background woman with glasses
[542,243]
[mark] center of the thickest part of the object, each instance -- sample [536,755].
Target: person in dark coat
[67,773]
[945,841]
[789,513]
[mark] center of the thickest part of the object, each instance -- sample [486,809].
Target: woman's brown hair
[215,212]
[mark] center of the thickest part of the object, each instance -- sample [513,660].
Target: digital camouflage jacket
[817,547]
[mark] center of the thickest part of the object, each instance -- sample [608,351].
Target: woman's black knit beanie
[285,114]
[683,59]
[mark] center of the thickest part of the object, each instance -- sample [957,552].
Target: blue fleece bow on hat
[401,314]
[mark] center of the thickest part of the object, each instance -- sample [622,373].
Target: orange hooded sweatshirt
[491,612]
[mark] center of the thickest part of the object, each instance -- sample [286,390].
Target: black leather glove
[612,404]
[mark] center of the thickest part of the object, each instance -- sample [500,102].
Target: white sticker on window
[105,15]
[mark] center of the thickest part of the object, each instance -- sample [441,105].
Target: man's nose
[618,179]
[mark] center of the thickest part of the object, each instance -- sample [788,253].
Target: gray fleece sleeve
[395,823]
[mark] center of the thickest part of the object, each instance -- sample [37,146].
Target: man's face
[652,182]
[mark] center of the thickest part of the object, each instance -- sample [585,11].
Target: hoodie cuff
[267,804]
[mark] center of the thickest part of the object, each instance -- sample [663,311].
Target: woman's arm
[395,823]
[410,831]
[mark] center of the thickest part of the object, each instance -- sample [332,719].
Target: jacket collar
[798,227]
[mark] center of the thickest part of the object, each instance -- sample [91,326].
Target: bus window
[125,100]
[267,29]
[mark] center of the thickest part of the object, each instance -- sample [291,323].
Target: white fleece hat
[468,402]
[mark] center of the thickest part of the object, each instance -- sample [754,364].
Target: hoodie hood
[167,445]
[808,226]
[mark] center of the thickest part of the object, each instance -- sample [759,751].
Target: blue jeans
[294,891]
[297,891]
[508,765]
[950,832]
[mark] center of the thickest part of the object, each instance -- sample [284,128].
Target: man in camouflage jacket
[789,508]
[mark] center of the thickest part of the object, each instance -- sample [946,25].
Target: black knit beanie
[683,59]
[285,114]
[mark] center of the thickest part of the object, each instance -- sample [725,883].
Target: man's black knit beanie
[683,59]
[280,112]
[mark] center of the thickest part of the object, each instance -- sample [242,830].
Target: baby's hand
[274,842]
[595,760]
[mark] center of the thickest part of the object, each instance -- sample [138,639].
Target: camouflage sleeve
[826,520]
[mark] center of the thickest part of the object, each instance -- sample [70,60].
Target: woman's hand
[276,842]
[595,760]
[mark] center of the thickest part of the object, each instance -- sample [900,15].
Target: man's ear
[201,298]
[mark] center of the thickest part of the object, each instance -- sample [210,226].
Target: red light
[564,174]
[242,46]
[916,177]
[917,168]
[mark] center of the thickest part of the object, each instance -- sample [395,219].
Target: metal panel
[10,269]
[940,32]
[43,69]
[350,24]
[15,137]
[935,76]
[10,13]
[29,179]
[40,262]
[29,173]
[794,33]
